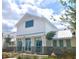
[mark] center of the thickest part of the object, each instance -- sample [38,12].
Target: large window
[19,45]
[61,43]
[29,23]
[28,44]
[54,43]
[38,45]
[68,43]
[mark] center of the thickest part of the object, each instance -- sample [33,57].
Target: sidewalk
[10,58]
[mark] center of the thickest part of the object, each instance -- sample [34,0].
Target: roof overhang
[64,34]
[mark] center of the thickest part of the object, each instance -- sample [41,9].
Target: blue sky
[13,10]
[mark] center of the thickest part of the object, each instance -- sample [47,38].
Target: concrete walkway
[10,58]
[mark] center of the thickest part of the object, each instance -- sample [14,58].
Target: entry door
[19,45]
[28,44]
[38,45]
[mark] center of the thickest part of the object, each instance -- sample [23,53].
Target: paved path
[10,58]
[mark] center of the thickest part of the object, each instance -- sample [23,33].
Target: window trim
[30,25]
[61,44]
[19,45]
[68,43]
[28,44]
[54,43]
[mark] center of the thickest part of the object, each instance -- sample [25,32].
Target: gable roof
[56,24]
[26,15]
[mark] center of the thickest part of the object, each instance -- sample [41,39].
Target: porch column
[58,43]
[23,44]
[33,45]
[16,44]
[64,42]
[43,44]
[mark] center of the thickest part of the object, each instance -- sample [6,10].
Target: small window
[68,43]
[61,43]
[29,23]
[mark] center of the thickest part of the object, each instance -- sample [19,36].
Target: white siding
[39,26]
[49,27]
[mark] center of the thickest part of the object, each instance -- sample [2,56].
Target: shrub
[50,57]
[27,57]
[50,35]
[35,57]
[19,57]
[69,53]
[5,55]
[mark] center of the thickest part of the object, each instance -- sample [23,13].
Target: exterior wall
[73,42]
[49,27]
[39,26]
[47,45]
[33,44]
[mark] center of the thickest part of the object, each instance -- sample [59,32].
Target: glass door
[19,45]
[27,44]
[38,45]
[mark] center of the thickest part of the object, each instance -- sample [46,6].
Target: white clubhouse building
[31,35]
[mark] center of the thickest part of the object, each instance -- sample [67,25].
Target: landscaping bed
[66,55]
[24,56]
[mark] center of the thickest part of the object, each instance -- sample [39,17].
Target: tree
[7,39]
[70,12]
[50,35]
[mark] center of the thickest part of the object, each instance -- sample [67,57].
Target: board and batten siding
[39,26]
[49,27]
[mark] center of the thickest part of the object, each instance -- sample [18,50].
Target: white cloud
[26,6]
[14,6]
[10,23]
[57,17]
[29,6]
[14,29]
[29,1]
[32,9]
[38,2]
[63,11]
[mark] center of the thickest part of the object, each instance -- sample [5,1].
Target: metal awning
[63,34]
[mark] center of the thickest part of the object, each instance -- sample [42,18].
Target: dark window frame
[54,43]
[28,44]
[61,43]
[68,43]
[29,23]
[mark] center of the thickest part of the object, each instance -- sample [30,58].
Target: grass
[49,58]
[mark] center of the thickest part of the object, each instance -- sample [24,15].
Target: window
[38,45]
[19,45]
[61,43]
[68,43]
[29,23]
[28,44]
[54,43]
